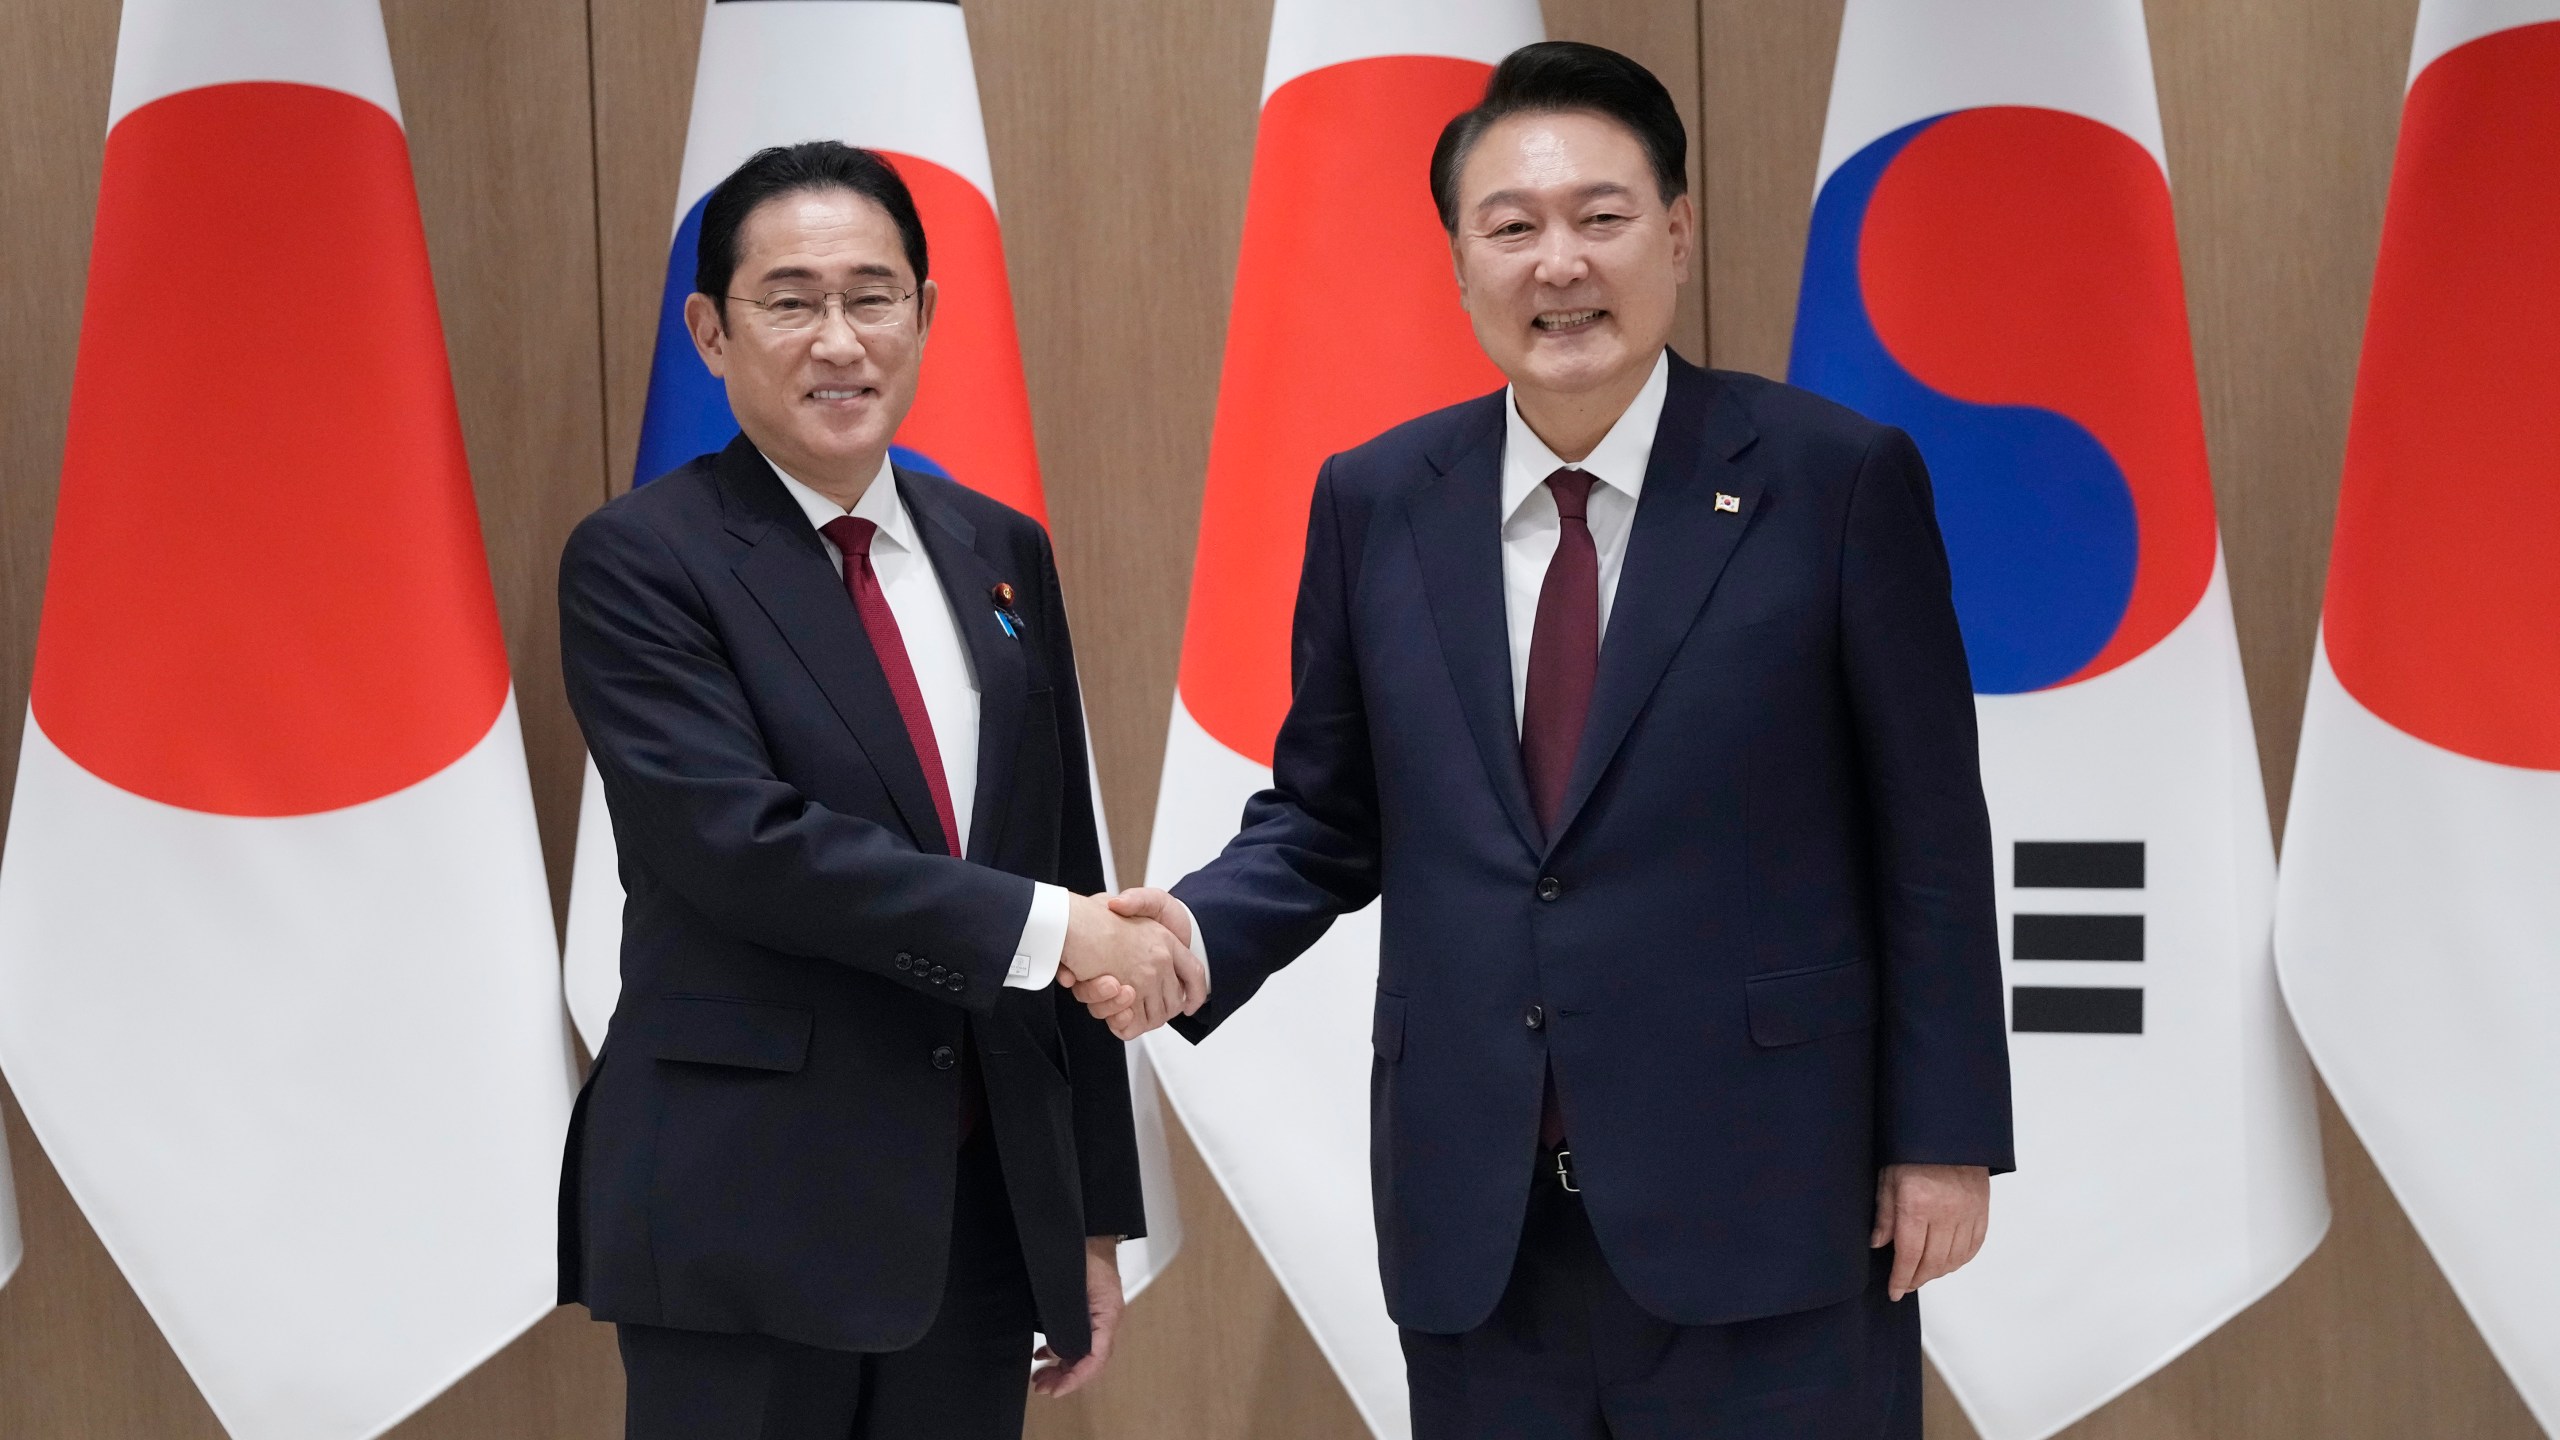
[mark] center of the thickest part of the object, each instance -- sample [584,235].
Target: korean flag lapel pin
[1001,592]
[1728,504]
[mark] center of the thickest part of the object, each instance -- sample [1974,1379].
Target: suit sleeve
[1943,1045]
[1309,849]
[1106,1130]
[697,803]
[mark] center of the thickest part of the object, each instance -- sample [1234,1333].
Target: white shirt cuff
[1199,942]
[1044,939]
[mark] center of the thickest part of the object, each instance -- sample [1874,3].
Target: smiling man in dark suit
[848,1143]
[1635,692]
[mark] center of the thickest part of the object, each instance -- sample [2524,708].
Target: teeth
[835,394]
[1560,319]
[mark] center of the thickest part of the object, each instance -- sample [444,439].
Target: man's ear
[1458,269]
[710,336]
[1682,217]
[928,295]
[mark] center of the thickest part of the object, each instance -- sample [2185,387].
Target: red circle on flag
[972,413]
[267,592]
[2443,609]
[1345,322]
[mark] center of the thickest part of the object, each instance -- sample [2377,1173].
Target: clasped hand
[1128,958]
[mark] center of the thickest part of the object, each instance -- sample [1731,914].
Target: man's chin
[1575,364]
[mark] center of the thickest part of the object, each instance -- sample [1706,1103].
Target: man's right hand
[1133,974]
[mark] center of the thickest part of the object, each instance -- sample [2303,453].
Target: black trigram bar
[2080,864]
[2076,937]
[2075,1010]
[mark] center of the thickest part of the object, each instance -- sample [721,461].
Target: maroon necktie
[1564,664]
[852,535]
[1564,651]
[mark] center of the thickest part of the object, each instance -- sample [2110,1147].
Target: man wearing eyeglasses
[850,1141]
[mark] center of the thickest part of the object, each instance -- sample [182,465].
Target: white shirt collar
[880,504]
[1618,461]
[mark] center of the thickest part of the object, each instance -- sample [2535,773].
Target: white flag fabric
[12,1245]
[893,76]
[278,991]
[2418,930]
[1993,266]
[1354,94]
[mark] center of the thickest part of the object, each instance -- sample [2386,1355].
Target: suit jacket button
[1549,887]
[958,982]
[944,1057]
[906,961]
[1537,1017]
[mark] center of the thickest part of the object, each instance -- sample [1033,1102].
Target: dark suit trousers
[1568,1355]
[965,1380]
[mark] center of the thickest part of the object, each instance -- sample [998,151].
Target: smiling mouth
[839,392]
[1566,319]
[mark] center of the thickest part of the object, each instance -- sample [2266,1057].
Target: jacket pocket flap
[1793,1006]
[1386,1035]
[710,1030]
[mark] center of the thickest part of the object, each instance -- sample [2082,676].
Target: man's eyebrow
[803,272]
[1594,191]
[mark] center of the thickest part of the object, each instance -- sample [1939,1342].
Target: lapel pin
[1001,592]
[1729,504]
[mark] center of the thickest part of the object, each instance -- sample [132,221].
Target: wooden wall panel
[1766,74]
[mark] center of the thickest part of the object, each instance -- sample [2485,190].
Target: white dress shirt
[1530,523]
[931,634]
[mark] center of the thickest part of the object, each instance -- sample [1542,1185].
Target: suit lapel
[1003,675]
[786,570]
[1457,531]
[1675,552]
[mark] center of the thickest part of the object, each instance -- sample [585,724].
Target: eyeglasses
[868,308]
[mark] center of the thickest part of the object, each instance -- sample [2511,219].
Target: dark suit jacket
[1760,947]
[767,1143]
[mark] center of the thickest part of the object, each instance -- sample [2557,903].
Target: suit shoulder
[650,523]
[1403,455]
[981,510]
[672,499]
[1797,423]
[994,527]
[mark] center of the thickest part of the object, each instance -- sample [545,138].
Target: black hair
[1556,76]
[781,170]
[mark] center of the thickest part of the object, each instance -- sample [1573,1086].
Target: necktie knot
[852,535]
[1573,493]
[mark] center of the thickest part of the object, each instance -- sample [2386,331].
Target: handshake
[1129,960]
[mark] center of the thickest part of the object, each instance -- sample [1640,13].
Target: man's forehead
[1573,152]
[814,230]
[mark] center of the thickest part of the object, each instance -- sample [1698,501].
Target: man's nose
[1562,257]
[837,339]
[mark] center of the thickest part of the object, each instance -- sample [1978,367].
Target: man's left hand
[1057,1378]
[1934,1216]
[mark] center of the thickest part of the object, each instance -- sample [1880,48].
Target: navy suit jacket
[767,1143]
[1760,943]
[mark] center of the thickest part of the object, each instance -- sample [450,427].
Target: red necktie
[1564,665]
[852,535]
[1564,651]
